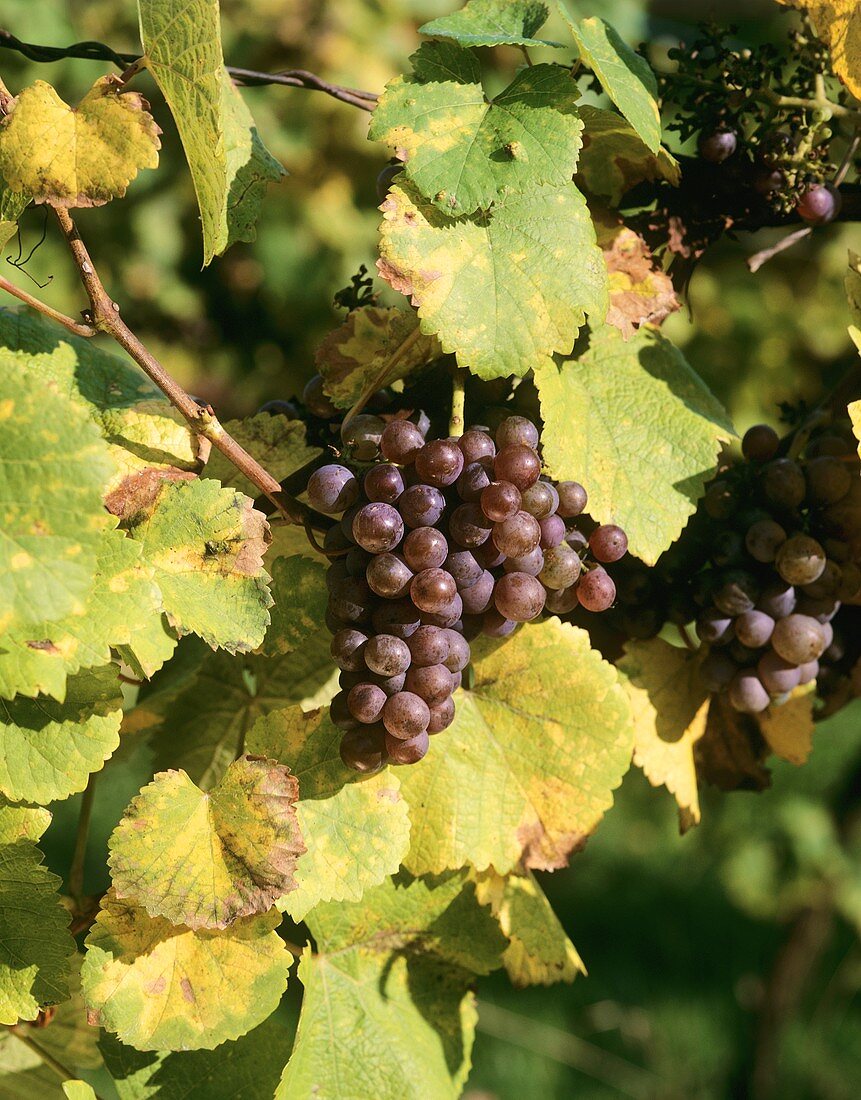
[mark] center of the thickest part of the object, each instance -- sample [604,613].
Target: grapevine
[300,709]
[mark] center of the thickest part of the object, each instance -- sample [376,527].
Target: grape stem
[458,401]
[382,376]
[76,870]
[63,1072]
[104,316]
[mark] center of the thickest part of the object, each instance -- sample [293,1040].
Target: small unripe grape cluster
[438,542]
[783,543]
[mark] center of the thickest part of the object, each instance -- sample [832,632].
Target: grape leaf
[20,822]
[151,644]
[505,290]
[12,206]
[53,464]
[530,762]
[397,965]
[35,945]
[79,1090]
[48,749]
[640,292]
[624,75]
[149,435]
[854,410]
[81,156]
[278,444]
[229,165]
[248,1068]
[199,723]
[614,158]
[730,753]
[539,951]
[161,987]
[670,708]
[206,545]
[301,597]
[366,349]
[493,23]
[356,830]
[204,860]
[38,658]
[838,23]
[788,728]
[464,152]
[647,434]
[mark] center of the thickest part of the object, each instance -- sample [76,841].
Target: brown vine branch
[77,327]
[98,51]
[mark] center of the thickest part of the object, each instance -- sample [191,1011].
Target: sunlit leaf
[539,951]
[357,353]
[633,423]
[670,708]
[35,945]
[356,829]
[162,987]
[21,822]
[398,965]
[493,23]
[624,75]
[614,158]
[531,761]
[640,291]
[504,290]
[48,749]
[838,22]
[12,206]
[81,156]
[463,151]
[300,595]
[788,728]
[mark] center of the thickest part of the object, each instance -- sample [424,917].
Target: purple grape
[754,628]
[429,646]
[552,531]
[746,692]
[518,464]
[561,567]
[383,483]
[596,590]
[425,548]
[798,639]
[366,702]
[408,751]
[348,649]
[439,463]
[332,489]
[458,652]
[441,716]
[479,596]
[517,430]
[763,540]
[469,526]
[464,568]
[400,442]
[776,674]
[760,443]
[495,625]
[472,482]
[717,146]
[500,500]
[517,535]
[389,576]
[819,205]
[378,527]
[540,500]
[421,505]
[608,543]
[531,563]
[433,683]
[519,597]
[572,499]
[800,560]
[777,600]
[433,590]
[363,750]
[315,399]
[405,715]
[562,601]
[387,655]
[476,445]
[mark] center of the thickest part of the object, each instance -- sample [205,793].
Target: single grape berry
[760,443]
[408,751]
[500,500]
[747,693]
[754,628]
[828,480]
[596,590]
[464,567]
[433,590]
[387,655]
[608,543]
[800,560]
[783,484]
[383,483]
[717,146]
[472,482]
[561,567]
[469,526]
[776,674]
[433,683]
[377,527]
[366,702]
[820,204]
[458,651]
[439,463]
[763,540]
[540,500]
[552,531]
[572,499]
[442,716]
[425,548]
[517,535]
[405,715]
[518,464]
[476,445]
[429,646]
[363,750]
[332,489]
[389,576]
[561,601]
[348,649]
[421,506]
[479,596]
[316,400]
[531,563]
[519,597]
[361,436]
[517,430]
[798,639]
[400,442]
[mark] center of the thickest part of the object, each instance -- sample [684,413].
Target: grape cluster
[438,542]
[783,545]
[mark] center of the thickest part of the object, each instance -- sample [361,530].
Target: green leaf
[35,945]
[19,822]
[206,545]
[48,749]
[199,723]
[493,23]
[248,1068]
[301,597]
[229,165]
[125,599]
[53,464]
[670,708]
[397,965]
[278,444]
[204,860]
[539,951]
[464,152]
[82,156]
[614,158]
[12,206]
[78,1090]
[161,987]
[148,436]
[505,290]
[624,75]
[356,829]
[634,424]
[365,351]
[530,762]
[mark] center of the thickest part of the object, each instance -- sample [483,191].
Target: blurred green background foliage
[725,963]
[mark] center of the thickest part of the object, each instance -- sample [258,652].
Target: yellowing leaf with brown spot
[158,986]
[82,156]
[539,952]
[788,729]
[356,828]
[640,292]
[838,23]
[670,708]
[204,860]
[529,766]
[366,349]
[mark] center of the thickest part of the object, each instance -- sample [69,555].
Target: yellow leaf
[670,708]
[788,729]
[81,156]
[838,23]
